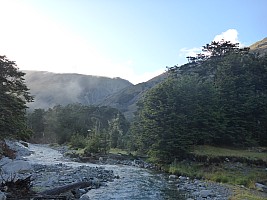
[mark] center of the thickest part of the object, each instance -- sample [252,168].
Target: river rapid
[133,182]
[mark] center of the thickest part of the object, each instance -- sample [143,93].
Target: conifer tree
[14,95]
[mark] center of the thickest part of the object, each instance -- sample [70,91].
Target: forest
[95,128]
[218,98]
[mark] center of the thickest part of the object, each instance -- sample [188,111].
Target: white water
[134,183]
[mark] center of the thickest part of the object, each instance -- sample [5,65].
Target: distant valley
[51,89]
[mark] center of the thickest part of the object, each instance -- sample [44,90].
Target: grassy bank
[236,167]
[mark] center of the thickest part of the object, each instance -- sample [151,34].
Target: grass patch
[80,151]
[219,173]
[241,176]
[187,169]
[234,173]
[118,151]
[252,154]
[243,193]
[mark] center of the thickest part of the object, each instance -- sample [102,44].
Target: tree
[77,123]
[174,115]
[220,99]
[241,82]
[36,122]
[14,95]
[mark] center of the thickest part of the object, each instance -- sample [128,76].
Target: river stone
[183,178]
[205,193]
[84,197]
[5,160]
[172,176]
[21,150]
[17,166]
[261,187]
[2,196]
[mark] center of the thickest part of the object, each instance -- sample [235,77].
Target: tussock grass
[118,151]
[240,176]
[247,194]
[252,153]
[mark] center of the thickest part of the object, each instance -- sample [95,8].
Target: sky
[131,39]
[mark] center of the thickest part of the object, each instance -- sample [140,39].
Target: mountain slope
[126,99]
[51,89]
[259,47]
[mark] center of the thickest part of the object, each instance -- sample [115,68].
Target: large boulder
[16,166]
[19,147]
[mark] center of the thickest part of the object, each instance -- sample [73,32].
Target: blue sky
[131,39]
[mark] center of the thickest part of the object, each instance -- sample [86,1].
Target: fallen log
[66,188]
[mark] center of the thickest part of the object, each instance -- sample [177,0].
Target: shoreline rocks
[200,190]
[45,176]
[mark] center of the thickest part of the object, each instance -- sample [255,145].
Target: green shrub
[93,146]
[77,141]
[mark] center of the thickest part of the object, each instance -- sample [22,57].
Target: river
[134,183]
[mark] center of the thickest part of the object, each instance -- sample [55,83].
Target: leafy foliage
[79,125]
[218,99]
[13,98]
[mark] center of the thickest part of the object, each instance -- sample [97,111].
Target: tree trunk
[65,188]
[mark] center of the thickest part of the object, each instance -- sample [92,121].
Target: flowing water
[134,183]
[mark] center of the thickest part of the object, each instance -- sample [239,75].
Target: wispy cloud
[190,51]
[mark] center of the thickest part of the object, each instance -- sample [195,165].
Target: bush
[78,141]
[93,146]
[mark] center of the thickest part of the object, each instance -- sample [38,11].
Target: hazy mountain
[51,89]
[126,99]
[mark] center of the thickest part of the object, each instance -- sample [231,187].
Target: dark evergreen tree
[76,123]
[14,95]
[219,98]
[36,122]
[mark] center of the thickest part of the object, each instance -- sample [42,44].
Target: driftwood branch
[66,188]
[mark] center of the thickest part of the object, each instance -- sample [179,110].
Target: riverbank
[49,169]
[191,188]
[43,166]
[243,170]
[238,173]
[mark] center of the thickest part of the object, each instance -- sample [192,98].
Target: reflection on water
[134,183]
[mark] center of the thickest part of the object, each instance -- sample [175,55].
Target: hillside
[126,99]
[259,47]
[50,89]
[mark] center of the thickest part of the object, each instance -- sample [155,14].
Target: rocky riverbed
[49,169]
[197,189]
[52,173]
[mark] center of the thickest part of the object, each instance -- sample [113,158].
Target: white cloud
[229,35]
